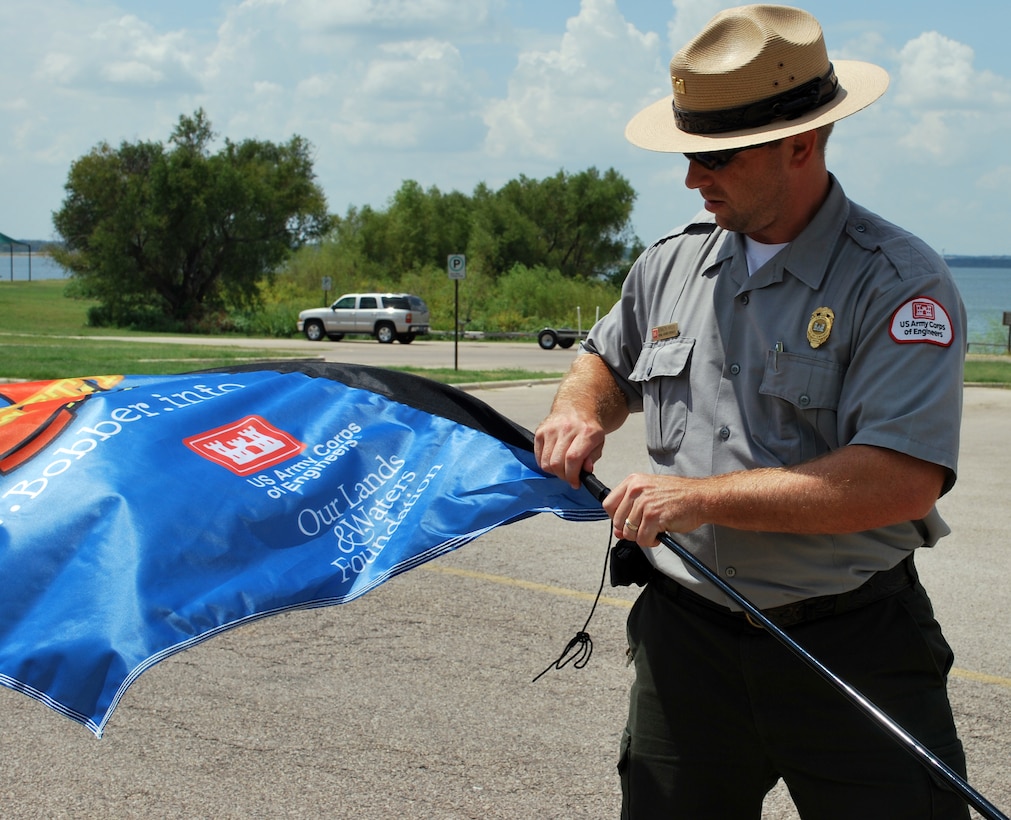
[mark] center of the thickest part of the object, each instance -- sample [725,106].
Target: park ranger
[799,361]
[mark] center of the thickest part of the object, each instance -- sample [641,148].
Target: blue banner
[142,514]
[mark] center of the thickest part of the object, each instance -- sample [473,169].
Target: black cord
[578,650]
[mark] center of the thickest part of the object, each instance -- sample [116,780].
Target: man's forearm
[588,405]
[589,389]
[852,489]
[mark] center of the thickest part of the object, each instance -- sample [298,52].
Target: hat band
[786,106]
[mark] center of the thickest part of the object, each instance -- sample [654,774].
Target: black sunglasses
[715,160]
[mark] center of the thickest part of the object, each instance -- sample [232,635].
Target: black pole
[927,758]
[456,324]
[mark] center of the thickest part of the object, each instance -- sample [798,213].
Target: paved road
[416,701]
[467,354]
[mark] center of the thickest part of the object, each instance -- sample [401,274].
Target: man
[799,363]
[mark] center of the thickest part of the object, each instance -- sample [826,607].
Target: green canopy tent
[6,240]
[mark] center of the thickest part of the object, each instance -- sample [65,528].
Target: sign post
[456,266]
[327,284]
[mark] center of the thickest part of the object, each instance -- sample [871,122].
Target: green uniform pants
[720,711]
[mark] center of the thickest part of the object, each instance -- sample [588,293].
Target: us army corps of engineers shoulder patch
[922,320]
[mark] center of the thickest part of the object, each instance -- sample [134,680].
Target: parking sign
[457,266]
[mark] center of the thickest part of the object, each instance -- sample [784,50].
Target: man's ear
[803,147]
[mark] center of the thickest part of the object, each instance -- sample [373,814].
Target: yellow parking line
[981,677]
[624,603]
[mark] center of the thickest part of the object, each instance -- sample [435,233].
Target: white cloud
[265,90]
[413,96]
[936,72]
[356,83]
[316,86]
[995,181]
[119,55]
[131,72]
[406,71]
[953,110]
[252,37]
[455,92]
[442,17]
[56,67]
[564,101]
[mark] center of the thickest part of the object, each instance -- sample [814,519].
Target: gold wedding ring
[629,525]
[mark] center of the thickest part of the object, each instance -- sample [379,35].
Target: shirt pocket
[804,393]
[662,372]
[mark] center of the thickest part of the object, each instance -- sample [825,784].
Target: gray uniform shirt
[852,334]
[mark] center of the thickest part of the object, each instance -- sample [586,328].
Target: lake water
[43,267]
[985,291]
[987,296]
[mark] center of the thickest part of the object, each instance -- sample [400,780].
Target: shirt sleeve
[903,385]
[617,337]
[648,295]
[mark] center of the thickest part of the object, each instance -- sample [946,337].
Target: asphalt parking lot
[417,701]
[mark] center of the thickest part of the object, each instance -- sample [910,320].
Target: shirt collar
[805,258]
[808,256]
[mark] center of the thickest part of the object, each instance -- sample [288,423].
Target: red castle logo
[245,446]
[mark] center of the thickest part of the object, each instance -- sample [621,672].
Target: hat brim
[654,128]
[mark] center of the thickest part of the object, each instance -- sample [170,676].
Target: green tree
[576,224]
[171,235]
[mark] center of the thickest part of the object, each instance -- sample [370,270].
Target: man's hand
[643,506]
[587,407]
[566,443]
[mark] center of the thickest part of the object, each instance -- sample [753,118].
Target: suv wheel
[405,338]
[314,330]
[385,333]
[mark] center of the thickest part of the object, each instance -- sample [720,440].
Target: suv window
[347,303]
[368,302]
[398,302]
[417,303]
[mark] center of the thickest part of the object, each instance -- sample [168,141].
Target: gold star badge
[820,326]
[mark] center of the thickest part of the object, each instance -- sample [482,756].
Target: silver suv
[387,316]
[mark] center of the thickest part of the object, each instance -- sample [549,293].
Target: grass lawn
[44,335]
[36,320]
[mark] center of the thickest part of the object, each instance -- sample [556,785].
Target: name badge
[662,332]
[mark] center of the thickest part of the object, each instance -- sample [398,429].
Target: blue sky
[452,93]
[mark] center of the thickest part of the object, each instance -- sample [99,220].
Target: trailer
[564,337]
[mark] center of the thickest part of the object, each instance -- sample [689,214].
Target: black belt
[878,586]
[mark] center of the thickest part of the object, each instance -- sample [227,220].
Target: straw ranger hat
[755,74]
